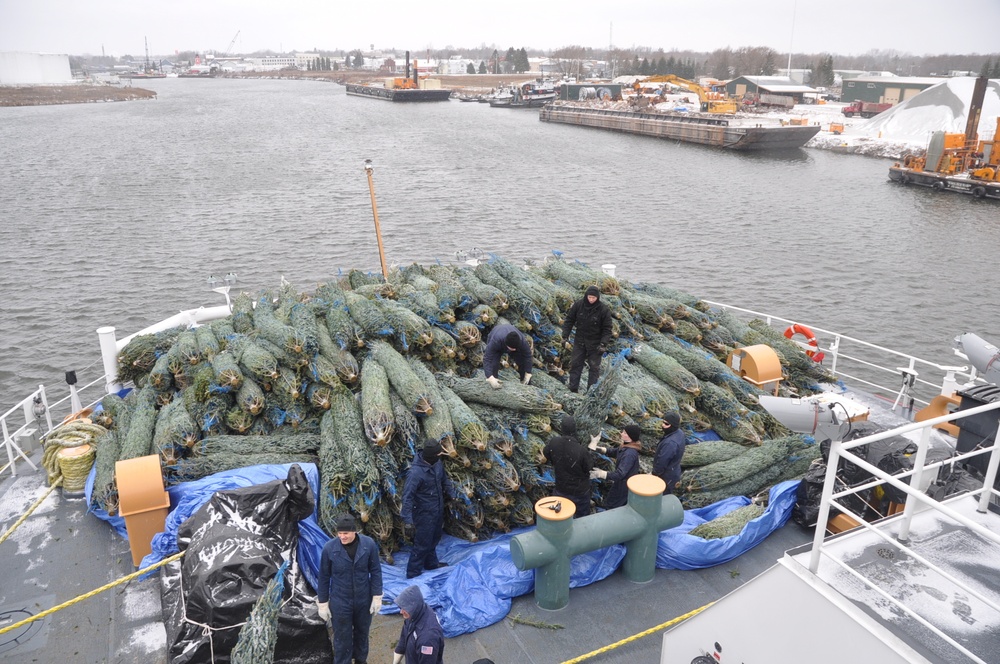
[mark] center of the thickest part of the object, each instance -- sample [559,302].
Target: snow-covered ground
[905,128]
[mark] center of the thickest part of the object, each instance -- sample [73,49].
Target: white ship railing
[915,497]
[862,370]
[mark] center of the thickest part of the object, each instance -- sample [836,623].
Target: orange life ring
[798,328]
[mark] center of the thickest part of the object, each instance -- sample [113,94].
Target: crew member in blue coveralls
[423,508]
[350,590]
[669,452]
[421,639]
[626,465]
[506,339]
[592,320]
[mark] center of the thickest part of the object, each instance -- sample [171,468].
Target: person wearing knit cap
[571,465]
[421,639]
[626,465]
[349,590]
[424,493]
[592,320]
[670,451]
[506,339]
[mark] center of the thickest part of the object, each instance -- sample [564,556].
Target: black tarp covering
[235,544]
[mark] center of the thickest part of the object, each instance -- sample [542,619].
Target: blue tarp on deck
[476,589]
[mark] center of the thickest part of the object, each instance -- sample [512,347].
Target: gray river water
[116,214]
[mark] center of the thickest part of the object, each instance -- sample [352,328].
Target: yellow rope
[30,510]
[124,579]
[634,637]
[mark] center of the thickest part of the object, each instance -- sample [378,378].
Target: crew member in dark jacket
[506,339]
[593,334]
[626,465]
[669,452]
[421,639]
[424,494]
[350,590]
[571,464]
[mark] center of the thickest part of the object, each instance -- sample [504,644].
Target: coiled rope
[634,637]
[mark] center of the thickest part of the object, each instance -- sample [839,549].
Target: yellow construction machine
[711,102]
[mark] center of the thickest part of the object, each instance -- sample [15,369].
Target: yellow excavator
[711,102]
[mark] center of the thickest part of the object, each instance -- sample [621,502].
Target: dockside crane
[230,49]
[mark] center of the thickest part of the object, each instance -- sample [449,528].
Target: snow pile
[943,107]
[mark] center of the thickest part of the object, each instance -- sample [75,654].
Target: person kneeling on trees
[506,339]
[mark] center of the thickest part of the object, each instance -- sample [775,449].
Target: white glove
[598,474]
[396,658]
[527,377]
[324,610]
[376,604]
[593,442]
[494,382]
[568,345]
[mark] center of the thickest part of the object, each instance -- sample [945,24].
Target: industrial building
[884,89]
[18,68]
[768,85]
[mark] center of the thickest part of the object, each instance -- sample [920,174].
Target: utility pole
[369,169]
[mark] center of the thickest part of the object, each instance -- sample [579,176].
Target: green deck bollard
[558,537]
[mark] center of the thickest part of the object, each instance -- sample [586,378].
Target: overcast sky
[847,27]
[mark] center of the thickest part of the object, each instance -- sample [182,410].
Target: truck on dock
[866,109]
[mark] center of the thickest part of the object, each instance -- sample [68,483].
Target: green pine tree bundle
[222,328]
[522,510]
[653,311]
[502,476]
[384,290]
[105,491]
[596,406]
[628,399]
[210,415]
[710,451]
[367,315]
[450,291]
[390,488]
[742,432]
[174,431]
[512,395]
[160,377]
[342,328]
[482,315]
[467,333]
[798,463]
[401,377]
[729,524]
[138,440]
[346,365]
[539,423]
[376,406]
[411,329]
[665,368]
[357,278]
[469,429]
[539,295]
[406,424]
[734,325]
[239,420]
[712,341]
[227,370]
[558,390]
[721,473]
[250,397]
[257,362]
[748,486]
[357,460]
[687,331]
[276,443]
[443,346]
[261,426]
[437,422]
[414,276]
[242,316]
[303,320]
[208,345]
[323,370]
[719,403]
[500,423]
[324,341]
[667,293]
[288,386]
[259,634]
[486,294]
[111,411]
[579,276]
[564,295]
[187,347]
[518,301]
[140,354]
[197,467]
[319,396]
[269,327]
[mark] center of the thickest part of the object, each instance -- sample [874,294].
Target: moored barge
[687,127]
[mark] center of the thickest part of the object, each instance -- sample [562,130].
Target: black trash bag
[235,544]
[808,495]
